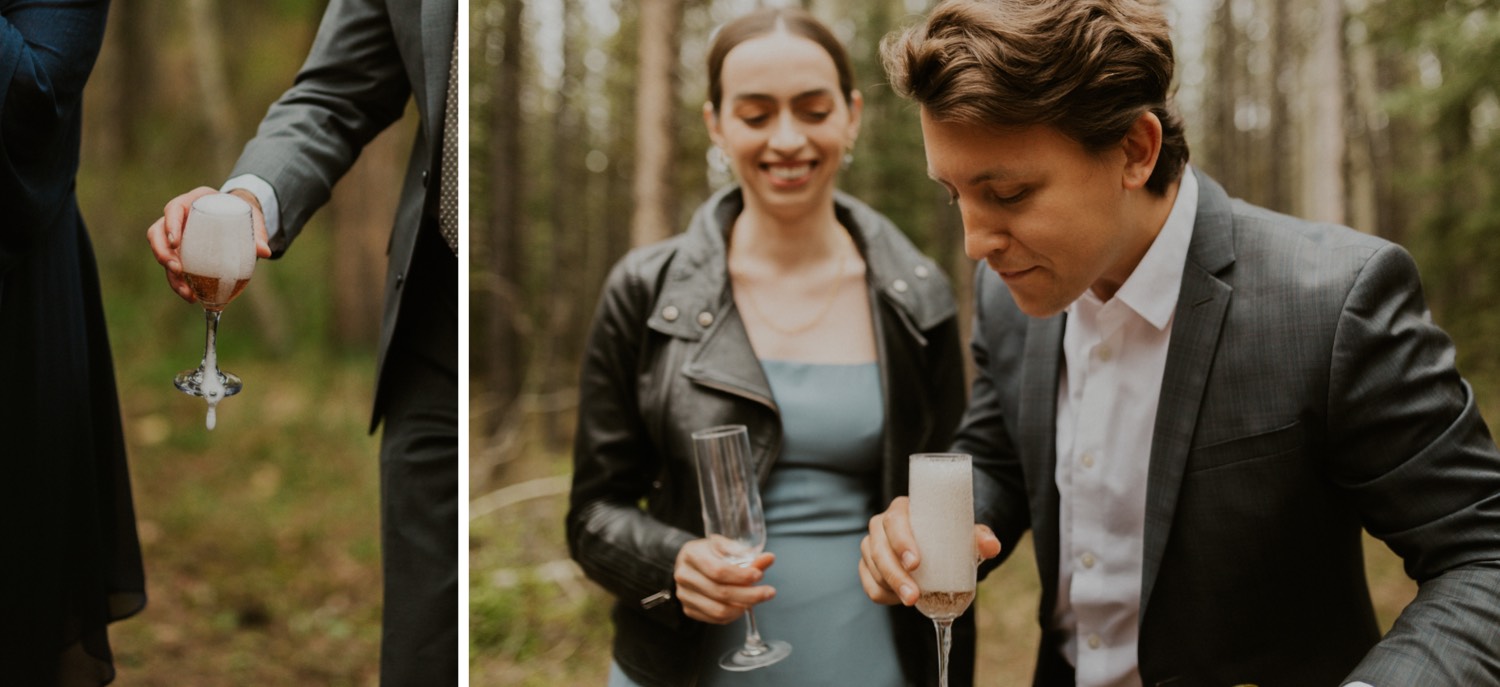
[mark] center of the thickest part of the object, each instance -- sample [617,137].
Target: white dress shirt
[263,192]
[1114,354]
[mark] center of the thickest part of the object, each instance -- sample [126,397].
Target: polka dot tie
[448,190]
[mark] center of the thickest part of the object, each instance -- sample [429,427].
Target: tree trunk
[362,210]
[1326,201]
[218,112]
[1280,174]
[127,70]
[612,230]
[1218,141]
[557,360]
[507,226]
[654,217]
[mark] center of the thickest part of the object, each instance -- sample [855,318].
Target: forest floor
[261,538]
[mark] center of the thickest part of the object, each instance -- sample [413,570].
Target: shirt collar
[1151,290]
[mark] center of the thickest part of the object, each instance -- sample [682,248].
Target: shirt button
[705,318]
[1087,460]
[900,286]
[921,271]
[1105,353]
[1095,642]
[1088,560]
[669,313]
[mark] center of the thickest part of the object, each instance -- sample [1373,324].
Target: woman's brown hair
[795,21]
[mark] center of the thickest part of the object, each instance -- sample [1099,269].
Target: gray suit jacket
[1307,395]
[368,58]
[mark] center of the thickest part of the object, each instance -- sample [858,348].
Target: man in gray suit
[1194,404]
[368,59]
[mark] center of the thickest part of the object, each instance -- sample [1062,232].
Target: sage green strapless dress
[818,502]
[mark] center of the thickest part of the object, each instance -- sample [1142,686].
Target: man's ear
[1142,146]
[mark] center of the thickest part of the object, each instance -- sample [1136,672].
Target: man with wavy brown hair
[1196,405]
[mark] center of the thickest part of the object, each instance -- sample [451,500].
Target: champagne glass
[218,257]
[942,520]
[735,525]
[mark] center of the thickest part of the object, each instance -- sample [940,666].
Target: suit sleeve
[999,487]
[617,544]
[352,86]
[47,49]
[1417,461]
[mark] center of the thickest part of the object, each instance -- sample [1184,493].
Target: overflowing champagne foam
[942,519]
[219,240]
[212,388]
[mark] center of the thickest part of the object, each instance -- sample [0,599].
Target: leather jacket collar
[695,283]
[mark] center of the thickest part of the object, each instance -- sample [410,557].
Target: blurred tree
[132,20]
[563,312]
[1449,105]
[508,221]
[1325,200]
[1317,109]
[207,39]
[362,209]
[656,126]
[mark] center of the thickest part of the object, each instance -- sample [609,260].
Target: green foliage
[1453,97]
[533,620]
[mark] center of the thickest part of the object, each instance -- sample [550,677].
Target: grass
[261,538]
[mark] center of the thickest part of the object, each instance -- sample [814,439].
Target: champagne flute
[942,520]
[218,257]
[735,525]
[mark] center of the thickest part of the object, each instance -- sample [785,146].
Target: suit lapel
[1198,319]
[1037,426]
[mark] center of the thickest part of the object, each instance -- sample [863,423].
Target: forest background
[586,139]
[261,538]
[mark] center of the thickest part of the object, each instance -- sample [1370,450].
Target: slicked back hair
[1089,68]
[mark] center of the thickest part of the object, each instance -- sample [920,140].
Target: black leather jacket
[668,354]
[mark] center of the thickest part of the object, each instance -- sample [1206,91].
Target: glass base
[191,382]
[746,658]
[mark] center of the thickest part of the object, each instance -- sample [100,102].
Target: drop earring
[719,172]
[718,160]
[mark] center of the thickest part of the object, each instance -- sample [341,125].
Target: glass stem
[754,645]
[210,361]
[945,642]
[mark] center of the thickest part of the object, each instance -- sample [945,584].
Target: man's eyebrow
[980,178]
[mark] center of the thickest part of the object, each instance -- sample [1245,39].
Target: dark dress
[69,559]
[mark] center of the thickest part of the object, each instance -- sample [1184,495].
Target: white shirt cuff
[263,192]
[1358,684]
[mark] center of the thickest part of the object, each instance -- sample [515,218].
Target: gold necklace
[838,281]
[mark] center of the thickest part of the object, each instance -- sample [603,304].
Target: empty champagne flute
[942,520]
[735,525]
[218,257]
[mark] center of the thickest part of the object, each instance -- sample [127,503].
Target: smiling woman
[807,316]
